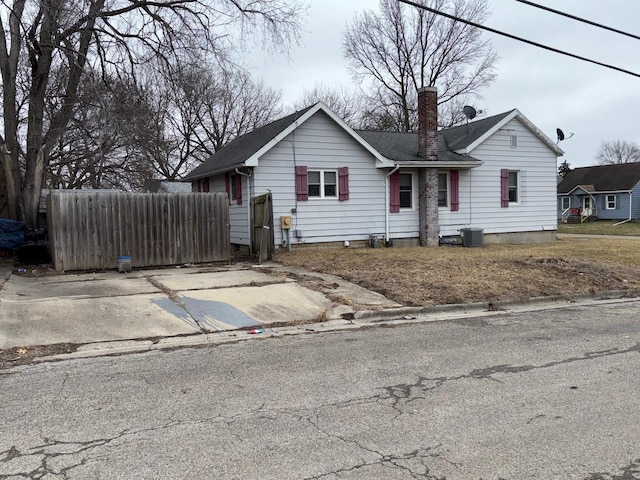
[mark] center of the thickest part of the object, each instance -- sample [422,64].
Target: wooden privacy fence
[89,230]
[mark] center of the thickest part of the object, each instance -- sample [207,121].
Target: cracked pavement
[536,395]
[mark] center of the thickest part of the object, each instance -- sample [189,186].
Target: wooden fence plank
[89,230]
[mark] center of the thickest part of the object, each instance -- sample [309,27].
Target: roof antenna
[561,136]
[470,113]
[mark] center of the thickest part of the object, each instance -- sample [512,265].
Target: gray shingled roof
[396,146]
[403,147]
[234,153]
[605,178]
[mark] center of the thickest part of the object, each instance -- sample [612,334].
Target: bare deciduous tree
[347,104]
[618,151]
[400,49]
[112,36]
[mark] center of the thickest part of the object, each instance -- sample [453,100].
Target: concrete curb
[363,319]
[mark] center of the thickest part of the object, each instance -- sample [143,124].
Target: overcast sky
[551,90]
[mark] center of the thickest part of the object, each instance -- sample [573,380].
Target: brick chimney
[428,123]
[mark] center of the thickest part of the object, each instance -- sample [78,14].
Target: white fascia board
[592,193]
[253,160]
[526,122]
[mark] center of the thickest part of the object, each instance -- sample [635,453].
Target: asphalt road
[541,395]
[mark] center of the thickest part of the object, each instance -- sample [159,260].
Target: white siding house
[337,184]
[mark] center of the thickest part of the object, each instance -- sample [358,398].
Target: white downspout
[628,219]
[248,208]
[387,202]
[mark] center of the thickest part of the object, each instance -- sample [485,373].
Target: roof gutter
[234,169]
[455,164]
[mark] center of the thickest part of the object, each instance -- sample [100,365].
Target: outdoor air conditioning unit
[472,237]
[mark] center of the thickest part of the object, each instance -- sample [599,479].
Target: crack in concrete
[384,460]
[49,450]
[629,472]
[409,392]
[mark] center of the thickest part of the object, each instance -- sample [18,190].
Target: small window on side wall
[610,203]
[406,190]
[566,203]
[443,190]
[514,141]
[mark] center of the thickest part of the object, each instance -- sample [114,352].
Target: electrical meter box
[285,222]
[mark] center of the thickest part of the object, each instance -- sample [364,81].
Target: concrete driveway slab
[47,322]
[179,281]
[85,286]
[270,304]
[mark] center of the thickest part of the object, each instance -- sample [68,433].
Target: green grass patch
[601,227]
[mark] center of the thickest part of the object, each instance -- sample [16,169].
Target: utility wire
[520,39]
[573,17]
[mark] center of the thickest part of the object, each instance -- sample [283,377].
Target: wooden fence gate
[89,230]
[262,239]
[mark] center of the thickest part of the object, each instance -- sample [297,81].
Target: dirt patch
[447,275]
[12,357]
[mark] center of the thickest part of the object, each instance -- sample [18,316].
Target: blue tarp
[11,234]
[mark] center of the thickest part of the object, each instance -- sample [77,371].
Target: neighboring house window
[443,190]
[233,186]
[566,203]
[509,187]
[514,141]
[322,183]
[406,190]
[610,202]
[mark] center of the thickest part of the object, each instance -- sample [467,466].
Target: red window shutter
[343,183]
[394,187]
[205,185]
[196,185]
[238,180]
[227,186]
[454,190]
[504,187]
[302,185]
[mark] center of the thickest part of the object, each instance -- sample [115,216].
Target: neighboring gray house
[497,174]
[608,192]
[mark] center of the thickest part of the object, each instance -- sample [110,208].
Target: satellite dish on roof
[469,112]
[561,135]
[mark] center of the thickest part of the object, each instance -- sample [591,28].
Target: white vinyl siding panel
[480,187]
[238,214]
[320,144]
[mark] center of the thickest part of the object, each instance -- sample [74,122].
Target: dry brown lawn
[443,275]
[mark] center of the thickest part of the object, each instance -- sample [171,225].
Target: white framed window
[610,202]
[566,202]
[443,190]
[235,183]
[514,141]
[514,187]
[406,190]
[323,183]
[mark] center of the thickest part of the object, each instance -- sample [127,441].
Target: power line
[520,39]
[583,20]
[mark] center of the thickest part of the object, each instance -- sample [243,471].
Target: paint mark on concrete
[216,316]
